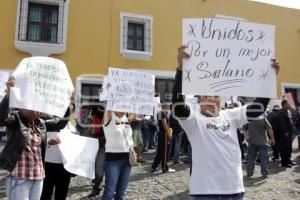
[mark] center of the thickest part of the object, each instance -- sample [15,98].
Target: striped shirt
[30,165]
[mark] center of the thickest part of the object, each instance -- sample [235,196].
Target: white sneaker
[171,171]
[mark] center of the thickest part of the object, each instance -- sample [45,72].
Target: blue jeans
[148,139]
[117,176]
[263,156]
[217,197]
[19,189]
[151,140]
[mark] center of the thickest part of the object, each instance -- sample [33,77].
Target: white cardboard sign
[228,58]
[78,153]
[129,91]
[42,84]
[3,78]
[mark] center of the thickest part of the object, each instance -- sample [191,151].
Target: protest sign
[3,78]
[130,91]
[78,153]
[42,84]
[228,58]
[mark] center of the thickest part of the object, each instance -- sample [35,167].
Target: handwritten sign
[130,91]
[228,58]
[78,153]
[3,78]
[42,84]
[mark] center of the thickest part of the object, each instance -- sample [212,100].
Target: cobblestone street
[282,184]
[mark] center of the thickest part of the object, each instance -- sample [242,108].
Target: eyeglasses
[118,123]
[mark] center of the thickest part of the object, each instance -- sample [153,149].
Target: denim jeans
[178,139]
[117,176]
[217,197]
[22,189]
[263,155]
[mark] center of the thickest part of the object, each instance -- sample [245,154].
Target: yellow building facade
[90,34]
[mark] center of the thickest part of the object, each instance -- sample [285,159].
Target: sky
[284,3]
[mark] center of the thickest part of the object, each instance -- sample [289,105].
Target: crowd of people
[212,140]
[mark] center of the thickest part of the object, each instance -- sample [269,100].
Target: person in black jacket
[285,130]
[22,156]
[273,118]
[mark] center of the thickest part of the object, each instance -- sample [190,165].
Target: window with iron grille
[136,36]
[135,40]
[165,88]
[41,28]
[42,23]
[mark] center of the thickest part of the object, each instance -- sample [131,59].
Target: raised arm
[181,110]
[5,118]
[107,117]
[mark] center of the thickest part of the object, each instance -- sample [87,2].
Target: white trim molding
[289,85]
[41,48]
[147,21]
[80,80]
[159,74]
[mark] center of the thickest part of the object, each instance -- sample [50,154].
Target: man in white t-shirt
[217,169]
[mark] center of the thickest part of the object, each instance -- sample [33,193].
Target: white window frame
[41,48]
[80,80]
[289,85]
[145,55]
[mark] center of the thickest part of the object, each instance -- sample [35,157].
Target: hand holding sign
[54,141]
[10,83]
[4,76]
[182,55]
[275,65]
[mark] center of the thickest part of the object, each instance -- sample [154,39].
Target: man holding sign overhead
[217,169]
